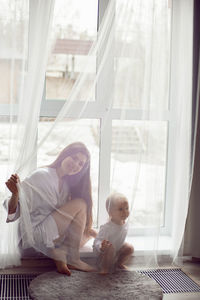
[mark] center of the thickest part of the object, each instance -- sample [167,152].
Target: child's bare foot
[62,267]
[81,266]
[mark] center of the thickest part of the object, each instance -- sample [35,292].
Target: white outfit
[113,233]
[42,191]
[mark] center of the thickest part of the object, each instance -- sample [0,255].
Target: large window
[116,144]
[116,149]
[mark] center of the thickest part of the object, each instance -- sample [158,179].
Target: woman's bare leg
[73,238]
[59,257]
[72,218]
[124,255]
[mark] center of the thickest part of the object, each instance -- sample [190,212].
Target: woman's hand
[11,184]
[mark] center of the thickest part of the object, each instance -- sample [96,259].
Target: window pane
[64,133]
[14,40]
[138,167]
[142,54]
[74,30]
[7,139]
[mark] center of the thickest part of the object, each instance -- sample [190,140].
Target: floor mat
[119,285]
[173,280]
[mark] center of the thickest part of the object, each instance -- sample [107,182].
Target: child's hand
[105,245]
[93,232]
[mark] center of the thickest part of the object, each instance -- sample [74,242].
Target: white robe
[41,190]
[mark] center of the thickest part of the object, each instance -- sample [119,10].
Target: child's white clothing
[111,232]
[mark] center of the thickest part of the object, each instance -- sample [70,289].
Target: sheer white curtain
[27,44]
[181,92]
[153,91]
[135,83]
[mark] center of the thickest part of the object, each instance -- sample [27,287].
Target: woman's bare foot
[59,257]
[81,266]
[62,267]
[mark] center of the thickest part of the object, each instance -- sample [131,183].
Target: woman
[59,207]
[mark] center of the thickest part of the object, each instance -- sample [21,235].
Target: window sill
[142,245]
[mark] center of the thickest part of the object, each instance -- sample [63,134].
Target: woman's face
[73,164]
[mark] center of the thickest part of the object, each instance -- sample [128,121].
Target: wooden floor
[38,266]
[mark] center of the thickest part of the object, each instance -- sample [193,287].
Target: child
[109,244]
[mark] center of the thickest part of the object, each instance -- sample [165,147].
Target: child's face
[119,212]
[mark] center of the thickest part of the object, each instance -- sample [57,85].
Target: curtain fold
[191,245]
[32,47]
[181,101]
[40,20]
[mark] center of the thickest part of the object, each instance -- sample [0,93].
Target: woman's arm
[12,204]
[11,184]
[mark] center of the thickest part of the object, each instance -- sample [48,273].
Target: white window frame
[99,110]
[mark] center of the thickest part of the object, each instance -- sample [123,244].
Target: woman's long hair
[80,183]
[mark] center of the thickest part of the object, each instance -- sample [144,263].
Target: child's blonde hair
[114,199]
